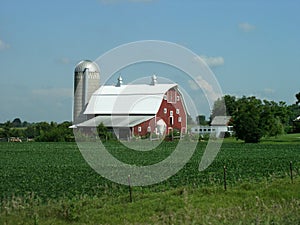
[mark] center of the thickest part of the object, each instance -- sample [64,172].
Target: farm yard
[147,112]
[50,183]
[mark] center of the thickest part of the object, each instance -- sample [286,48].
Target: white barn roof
[128,99]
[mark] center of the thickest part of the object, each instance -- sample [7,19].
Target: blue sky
[252,46]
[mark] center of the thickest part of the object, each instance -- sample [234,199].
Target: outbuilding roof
[128,99]
[220,120]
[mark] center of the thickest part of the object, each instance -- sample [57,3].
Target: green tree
[17,122]
[273,118]
[247,121]
[231,105]
[254,118]
[103,132]
[298,98]
[17,132]
[201,120]
[294,113]
[30,131]
[282,111]
[41,128]
[6,129]
[227,105]
[25,124]
[67,132]
[53,132]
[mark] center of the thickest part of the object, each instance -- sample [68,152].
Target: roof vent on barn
[154,80]
[120,81]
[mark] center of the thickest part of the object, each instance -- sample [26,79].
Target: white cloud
[193,85]
[205,86]
[64,60]
[269,90]
[4,45]
[211,61]
[246,27]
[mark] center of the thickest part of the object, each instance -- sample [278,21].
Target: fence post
[291,171]
[225,185]
[130,189]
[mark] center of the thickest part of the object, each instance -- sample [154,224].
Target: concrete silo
[86,82]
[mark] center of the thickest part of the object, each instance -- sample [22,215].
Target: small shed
[221,125]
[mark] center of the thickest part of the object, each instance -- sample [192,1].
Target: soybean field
[58,170]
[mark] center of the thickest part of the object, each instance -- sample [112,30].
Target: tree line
[41,131]
[253,118]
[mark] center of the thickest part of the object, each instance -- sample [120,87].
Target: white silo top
[86,64]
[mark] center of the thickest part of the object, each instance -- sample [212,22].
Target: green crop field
[53,170]
[56,172]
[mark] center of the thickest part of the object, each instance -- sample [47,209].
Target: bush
[104,133]
[146,136]
[44,132]
[174,134]
[226,134]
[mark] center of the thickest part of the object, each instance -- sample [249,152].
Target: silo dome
[86,64]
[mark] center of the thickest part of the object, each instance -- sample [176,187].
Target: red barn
[137,109]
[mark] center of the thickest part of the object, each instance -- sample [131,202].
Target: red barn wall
[172,102]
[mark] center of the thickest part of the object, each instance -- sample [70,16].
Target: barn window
[149,129]
[178,98]
[171,113]
[165,110]
[179,119]
[171,120]
[177,111]
[139,129]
